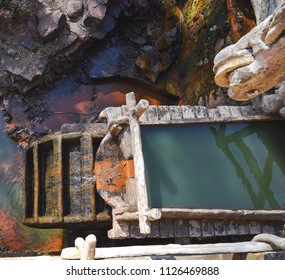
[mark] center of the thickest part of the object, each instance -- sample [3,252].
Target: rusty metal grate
[59,185]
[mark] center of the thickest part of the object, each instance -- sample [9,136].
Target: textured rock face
[254,64]
[74,8]
[167,45]
[50,24]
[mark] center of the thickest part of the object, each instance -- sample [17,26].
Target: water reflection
[230,166]
[68,101]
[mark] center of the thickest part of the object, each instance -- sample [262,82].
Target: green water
[225,166]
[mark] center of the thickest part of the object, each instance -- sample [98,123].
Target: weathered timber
[277,241]
[59,189]
[166,228]
[195,228]
[223,214]
[142,198]
[120,230]
[174,249]
[151,215]
[181,228]
[220,228]
[207,228]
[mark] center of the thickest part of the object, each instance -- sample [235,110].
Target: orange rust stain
[112,175]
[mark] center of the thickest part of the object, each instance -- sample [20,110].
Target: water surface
[226,166]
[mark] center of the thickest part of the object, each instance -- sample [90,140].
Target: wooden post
[135,111]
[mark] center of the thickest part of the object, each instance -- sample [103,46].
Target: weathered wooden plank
[188,112]
[243,228]
[58,174]
[152,114]
[155,229]
[111,113]
[131,194]
[207,228]
[120,230]
[163,113]
[181,228]
[174,249]
[175,112]
[268,228]
[36,180]
[135,230]
[195,228]
[254,227]
[247,110]
[224,111]
[142,198]
[275,240]
[223,214]
[220,228]
[201,112]
[214,113]
[231,228]
[87,184]
[166,228]
[235,111]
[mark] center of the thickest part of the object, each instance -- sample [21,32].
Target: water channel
[222,166]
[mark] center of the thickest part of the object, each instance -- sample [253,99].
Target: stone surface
[97,9]
[28,42]
[79,31]
[74,8]
[50,24]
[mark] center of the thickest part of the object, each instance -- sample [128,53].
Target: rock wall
[168,45]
